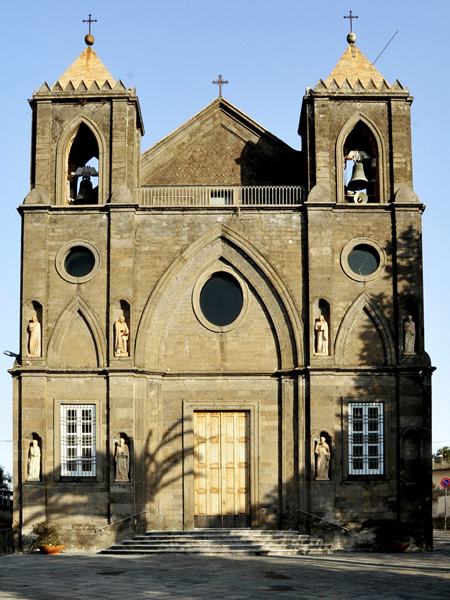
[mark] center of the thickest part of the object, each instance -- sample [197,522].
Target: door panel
[221,469]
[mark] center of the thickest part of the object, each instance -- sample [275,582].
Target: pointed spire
[352,66]
[87,68]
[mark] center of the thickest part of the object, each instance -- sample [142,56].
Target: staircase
[221,542]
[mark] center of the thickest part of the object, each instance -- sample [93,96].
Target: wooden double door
[221,469]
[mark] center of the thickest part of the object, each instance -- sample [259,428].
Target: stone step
[239,533]
[221,542]
[200,543]
[223,539]
[248,551]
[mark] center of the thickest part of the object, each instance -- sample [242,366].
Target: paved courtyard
[344,577]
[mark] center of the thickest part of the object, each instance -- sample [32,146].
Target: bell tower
[365,291]
[86,134]
[357,128]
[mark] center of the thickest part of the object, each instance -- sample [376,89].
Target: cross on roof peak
[220,82]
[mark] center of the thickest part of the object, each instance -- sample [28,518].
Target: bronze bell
[85,193]
[359,180]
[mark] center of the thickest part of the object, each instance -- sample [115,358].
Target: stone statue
[410,336]
[122,461]
[34,340]
[34,462]
[323,455]
[321,329]
[121,332]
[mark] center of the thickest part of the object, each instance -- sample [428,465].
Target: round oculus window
[363,259]
[221,299]
[79,261]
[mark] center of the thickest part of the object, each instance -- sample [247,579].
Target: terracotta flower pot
[397,547]
[51,549]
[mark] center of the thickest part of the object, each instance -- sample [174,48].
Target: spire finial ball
[89,39]
[351,38]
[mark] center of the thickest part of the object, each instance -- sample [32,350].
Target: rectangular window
[365,438]
[78,457]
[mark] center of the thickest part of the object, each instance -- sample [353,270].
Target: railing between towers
[217,196]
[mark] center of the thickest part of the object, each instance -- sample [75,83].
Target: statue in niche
[34,462]
[321,329]
[121,333]
[122,461]
[323,456]
[34,339]
[410,336]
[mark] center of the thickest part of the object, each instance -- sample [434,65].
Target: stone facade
[222,197]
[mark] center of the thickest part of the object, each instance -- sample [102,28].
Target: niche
[322,456]
[122,458]
[34,458]
[411,456]
[82,166]
[410,326]
[33,317]
[322,328]
[361,172]
[121,330]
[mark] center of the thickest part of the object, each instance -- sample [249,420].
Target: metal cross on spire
[351,17]
[95,21]
[89,39]
[220,82]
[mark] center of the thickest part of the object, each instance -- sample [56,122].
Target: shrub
[47,534]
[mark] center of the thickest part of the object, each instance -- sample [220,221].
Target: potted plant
[391,535]
[48,538]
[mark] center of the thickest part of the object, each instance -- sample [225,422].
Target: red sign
[445,482]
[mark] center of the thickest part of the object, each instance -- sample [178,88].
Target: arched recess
[80,306]
[220,243]
[346,130]
[410,306]
[62,159]
[411,458]
[365,302]
[316,436]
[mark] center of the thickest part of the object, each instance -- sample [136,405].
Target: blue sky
[268,51]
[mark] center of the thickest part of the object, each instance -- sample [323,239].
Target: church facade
[222,331]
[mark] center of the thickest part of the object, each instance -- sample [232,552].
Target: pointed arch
[343,135]
[62,156]
[77,305]
[220,243]
[365,302]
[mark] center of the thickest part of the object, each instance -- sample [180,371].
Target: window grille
[365,438]
[78,456]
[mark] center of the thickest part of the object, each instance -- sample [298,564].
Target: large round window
[363,260]
[221,299]
[79,262]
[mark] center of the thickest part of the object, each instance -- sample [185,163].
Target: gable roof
[218,145]
[87,68]
[353,65]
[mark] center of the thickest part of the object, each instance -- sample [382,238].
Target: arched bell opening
[82,167]
[361,166]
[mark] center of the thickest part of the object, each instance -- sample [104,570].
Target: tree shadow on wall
[89,508]
[375,345]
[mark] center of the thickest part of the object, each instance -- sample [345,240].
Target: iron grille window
[365,438]
[78,457]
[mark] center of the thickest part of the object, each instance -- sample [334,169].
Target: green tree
[5,480]
[443,452]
